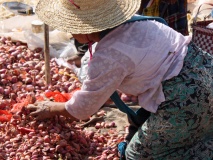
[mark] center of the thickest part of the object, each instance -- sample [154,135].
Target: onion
[4,81]
[3,71]
[28,80]
[125,98]
[29,87]
[15,53]
[3,75]
[14,79]
[6,91]
[1,90]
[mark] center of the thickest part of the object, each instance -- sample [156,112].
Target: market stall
[30,72]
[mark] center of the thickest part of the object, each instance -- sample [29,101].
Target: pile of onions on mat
[22,75]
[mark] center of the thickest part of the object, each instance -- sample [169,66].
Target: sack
[201,35]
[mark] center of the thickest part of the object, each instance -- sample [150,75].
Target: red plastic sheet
[39,98]
[24,102]
[60,97]
[5,116]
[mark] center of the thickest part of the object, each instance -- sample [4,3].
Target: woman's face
[85,38]
[81,38]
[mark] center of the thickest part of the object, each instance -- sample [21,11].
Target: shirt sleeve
[106,71]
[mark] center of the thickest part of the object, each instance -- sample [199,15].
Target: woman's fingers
[41,117]
[32,107]
[35,113]
[40,110]
[36,105]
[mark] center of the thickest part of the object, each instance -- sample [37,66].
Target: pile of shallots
[23,138]
[22,74]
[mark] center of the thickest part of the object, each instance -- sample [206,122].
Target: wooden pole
[47,54]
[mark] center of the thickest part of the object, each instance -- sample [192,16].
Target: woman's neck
[94,37]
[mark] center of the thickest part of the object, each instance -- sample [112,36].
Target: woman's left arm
[47,109]
[107,70]
[106,73]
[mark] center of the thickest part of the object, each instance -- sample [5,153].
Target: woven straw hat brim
[93,15]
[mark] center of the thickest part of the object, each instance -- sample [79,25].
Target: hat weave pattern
[91,16]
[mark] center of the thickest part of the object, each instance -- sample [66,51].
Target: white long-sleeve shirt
[133,58]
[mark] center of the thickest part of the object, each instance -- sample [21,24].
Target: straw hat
[85,16]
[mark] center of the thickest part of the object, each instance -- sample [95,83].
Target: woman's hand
[47,109]
[41,110]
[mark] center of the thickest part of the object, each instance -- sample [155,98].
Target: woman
[170,75]
[173,11]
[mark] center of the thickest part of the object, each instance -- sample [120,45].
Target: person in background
[173,11]
[170,75]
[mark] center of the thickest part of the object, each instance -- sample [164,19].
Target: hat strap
[89,46]
[74,4]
